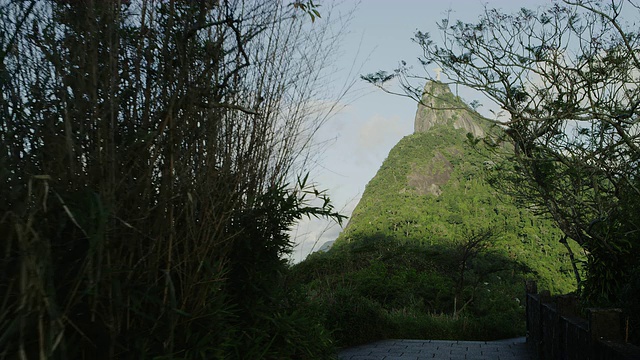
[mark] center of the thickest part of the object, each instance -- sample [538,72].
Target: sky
[371,122]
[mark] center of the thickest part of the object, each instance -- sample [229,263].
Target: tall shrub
[141,145]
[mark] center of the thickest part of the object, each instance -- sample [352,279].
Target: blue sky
[361,135]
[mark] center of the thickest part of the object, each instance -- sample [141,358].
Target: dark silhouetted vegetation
[147,154]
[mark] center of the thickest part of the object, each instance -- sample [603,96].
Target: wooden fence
[555,331]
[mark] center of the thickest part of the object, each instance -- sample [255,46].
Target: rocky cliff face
[440,107]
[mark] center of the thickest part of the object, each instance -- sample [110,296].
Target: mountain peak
[440,107]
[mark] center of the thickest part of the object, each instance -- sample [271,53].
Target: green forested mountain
[433,190]
[432,250]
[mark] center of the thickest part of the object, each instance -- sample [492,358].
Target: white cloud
[379,130]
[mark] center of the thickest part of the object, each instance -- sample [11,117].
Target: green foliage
[354,319]
[309,7]
[394,208]
[386,289]
[273,319]
[446,264]
[574,160]
[247,311]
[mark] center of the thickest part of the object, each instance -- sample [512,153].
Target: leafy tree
[467,251]
[565,77]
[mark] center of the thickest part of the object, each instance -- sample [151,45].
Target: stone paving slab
[510,349]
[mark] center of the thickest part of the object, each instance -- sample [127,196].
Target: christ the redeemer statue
[438,71]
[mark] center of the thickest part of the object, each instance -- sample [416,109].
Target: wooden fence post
[604,324]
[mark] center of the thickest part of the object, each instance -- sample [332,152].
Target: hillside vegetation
[434,251]
[565,80]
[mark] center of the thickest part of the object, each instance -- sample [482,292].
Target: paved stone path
[511,349]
